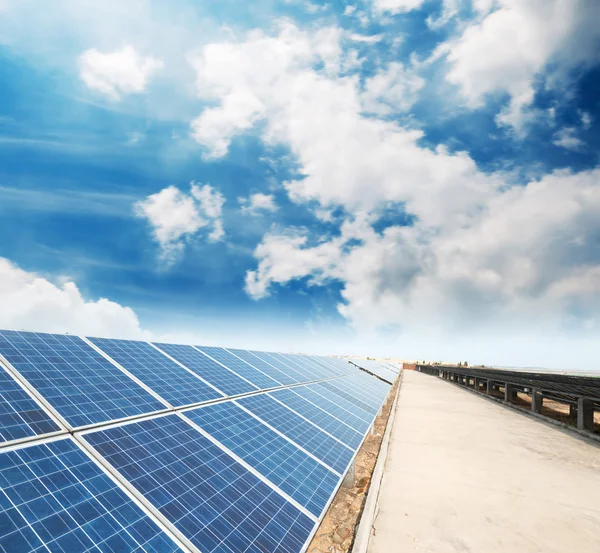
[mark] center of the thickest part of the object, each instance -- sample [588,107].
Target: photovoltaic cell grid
[353,404]
[323,371]
[322,418]
[224,379]
[242,368]
[20,416]
[77,381]
[327,419]
[364,395]
[332,452]
[269,369]
[163,376]
[337,366]
[376,368]
[372,390]
[301,374]
[292,470]
[53,498]
[210,498]
[339,411]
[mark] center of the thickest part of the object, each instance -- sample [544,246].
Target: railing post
[585,414]
[537,400]
[510,394]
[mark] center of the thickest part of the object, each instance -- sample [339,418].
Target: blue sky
[414,178]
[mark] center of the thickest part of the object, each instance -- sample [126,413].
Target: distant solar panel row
[252,474]
[383,370]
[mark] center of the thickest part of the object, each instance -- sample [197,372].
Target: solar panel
[379,369]
[20,415]
[363,393]
[165,377]
[328,404]
[224,379]
[54,498]
[372,390]
[272,369]
[301,373]
[323,369]
[292,470]
[340,397]
[213,500]
[318,416]
[308,436]
[78,382]
[260,379]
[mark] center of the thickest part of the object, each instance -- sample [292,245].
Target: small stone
[341,534]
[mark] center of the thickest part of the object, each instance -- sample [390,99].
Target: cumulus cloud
[256,203]
[529,257]
[246,78]
[117,73]
[32,302]
[480,249]
[176,217]
[393,89]
[508,48]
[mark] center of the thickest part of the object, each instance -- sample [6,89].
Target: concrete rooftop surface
[464,473]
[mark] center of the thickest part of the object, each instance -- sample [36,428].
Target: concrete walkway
[466,474]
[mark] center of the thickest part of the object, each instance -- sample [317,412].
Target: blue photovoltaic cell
[302,374]
[289,468]
[20,415]
[213,501]
[324,370]
[273,369]
[225,380]
[75,379]
[53,498]
[338,366]
[165,377]
[308,365]
[338,396]
[240,367]
[376,368]
[369,389]
[336,410]
[318,416]
[306,435]
[344,388]
[372,390]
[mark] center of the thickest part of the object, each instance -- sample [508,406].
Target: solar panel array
[382,369]
[119,445]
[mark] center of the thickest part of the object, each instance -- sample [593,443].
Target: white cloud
[507,49]
[528,259]
[392,89]
[245,79]
[117,73]
[368,39]
[176,217]
[349,10]
[567,138]
[32,302]
[481,249]
[258,202]
[586,120]
[396,6]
